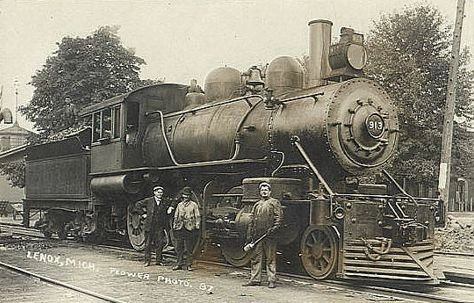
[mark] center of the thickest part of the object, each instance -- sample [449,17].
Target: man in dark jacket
[265,218]
[157,211]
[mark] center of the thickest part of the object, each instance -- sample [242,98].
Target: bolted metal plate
[363,125]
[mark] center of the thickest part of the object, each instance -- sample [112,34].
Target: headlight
[339,213]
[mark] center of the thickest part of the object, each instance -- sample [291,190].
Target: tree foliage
[80,72]
[15,172]
[409,55]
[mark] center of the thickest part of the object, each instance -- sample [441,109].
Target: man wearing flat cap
[186,223]
[265,218]
[156,219]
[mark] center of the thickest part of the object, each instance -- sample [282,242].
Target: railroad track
[80,290]
[446,292]
[16,229]
[373,289]
[454,253]
[449,287]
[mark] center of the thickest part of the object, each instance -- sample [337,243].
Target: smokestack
[319,42]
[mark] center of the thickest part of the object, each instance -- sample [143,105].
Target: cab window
[106,124]
[96,127]
[117,123]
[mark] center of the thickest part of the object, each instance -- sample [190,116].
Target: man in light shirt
[186,223]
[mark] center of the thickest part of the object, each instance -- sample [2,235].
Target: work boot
[271,284]
[189,268]
[159,261]
[147,261]
[177,267]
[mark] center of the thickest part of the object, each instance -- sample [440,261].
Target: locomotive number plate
[375,125]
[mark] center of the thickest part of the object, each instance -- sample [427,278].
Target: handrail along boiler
[311,140]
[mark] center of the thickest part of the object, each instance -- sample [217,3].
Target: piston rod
[295,140]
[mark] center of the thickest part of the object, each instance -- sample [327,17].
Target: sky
[185,39]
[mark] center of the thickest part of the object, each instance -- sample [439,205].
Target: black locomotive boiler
[315,141]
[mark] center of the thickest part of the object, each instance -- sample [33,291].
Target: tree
[409,55]
[15,172]
[80,72]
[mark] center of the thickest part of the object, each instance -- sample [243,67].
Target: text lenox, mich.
[60,260]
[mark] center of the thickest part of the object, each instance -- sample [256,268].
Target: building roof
[13,154]
[15,129]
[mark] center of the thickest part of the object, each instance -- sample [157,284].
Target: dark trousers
[184,246]
[154,239]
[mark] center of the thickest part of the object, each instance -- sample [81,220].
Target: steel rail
[404,293]
[355,286]
[457,284]
[348,285]
[453,253]
[384,290]
[21,230]
[389,292]
[18,229]
[59,283]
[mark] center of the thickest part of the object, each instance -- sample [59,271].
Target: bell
[6,115]
[255,77]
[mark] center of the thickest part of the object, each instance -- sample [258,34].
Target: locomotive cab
[118,122]
[108,133]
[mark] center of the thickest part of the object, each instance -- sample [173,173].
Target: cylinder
[319,43]
[320,211]
[114,184]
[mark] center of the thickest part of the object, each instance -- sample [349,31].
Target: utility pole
[15,85]
[446,145]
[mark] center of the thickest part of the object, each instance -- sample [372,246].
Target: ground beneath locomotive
[122,276]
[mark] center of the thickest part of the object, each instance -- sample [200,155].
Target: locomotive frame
[306,142]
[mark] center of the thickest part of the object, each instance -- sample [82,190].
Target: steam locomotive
[314,134]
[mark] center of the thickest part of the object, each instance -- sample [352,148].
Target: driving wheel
[135,229]
[319,251]
[233,251]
